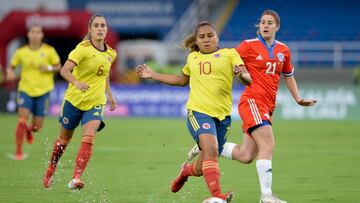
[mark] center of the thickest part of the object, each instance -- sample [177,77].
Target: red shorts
[252,113]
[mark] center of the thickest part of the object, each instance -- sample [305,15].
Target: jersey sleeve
[15,61]
[242,49]
[235,58]
[54,57]
[77,55]
[186,69]
[288,69]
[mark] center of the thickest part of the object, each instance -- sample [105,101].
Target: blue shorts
[38,106]
[70,116]
[199,123]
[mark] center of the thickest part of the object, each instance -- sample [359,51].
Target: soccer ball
[214,200]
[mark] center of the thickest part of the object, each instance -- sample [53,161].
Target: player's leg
[25,104]
[59,147]
[23,114]
[40,107]
[264,137]
[69,119]
[91,123]
[245,152]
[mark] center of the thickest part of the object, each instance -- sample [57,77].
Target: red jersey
[265,64]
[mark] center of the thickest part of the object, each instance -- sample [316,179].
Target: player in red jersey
[265,59]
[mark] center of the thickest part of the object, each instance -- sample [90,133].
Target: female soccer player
[265,59]
[39,62]
[87,71]
[209,71]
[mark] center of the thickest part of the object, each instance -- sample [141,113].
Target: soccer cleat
[270,199]
[76,184]
[180,180]
[228,197]
[48,178]
[193,152]
[18,156]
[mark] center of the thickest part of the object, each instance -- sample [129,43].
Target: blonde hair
[189,43]
[268,12]
[91,19]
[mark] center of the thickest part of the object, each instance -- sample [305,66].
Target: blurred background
[324,39]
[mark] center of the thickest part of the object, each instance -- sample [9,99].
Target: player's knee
[211,151]
[88,139]
[22,120]
[64,140]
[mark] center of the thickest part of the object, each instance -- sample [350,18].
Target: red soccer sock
[190,170]
[83,156]
[211,173]
[20,132]
[58,150]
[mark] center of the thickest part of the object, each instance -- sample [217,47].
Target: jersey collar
[270,49]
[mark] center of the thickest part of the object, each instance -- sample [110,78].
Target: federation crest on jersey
[65,120]
[217,55]
[280,57]
[42,54]
[206,125]
[110,59]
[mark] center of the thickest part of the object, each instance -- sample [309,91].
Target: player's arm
[243,75]
[144,71]
[10,74]
[109,94]
[68,76]
[50,68]
[292,86]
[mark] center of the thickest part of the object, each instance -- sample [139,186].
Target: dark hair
[189,42]
[273,14]
[91,19]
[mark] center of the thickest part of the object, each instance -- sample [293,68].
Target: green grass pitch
[135,159]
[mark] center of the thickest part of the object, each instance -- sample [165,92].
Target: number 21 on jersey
[270,67]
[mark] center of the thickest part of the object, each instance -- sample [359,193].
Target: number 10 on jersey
[205,68]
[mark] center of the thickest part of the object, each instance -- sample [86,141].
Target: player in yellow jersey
[87,71]
[39,62]
[209,71]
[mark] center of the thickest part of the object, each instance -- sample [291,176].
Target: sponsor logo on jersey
[217,55]
[206,125]
[109,59]
[259,58]
[267,116]
[280,57]
[42,54]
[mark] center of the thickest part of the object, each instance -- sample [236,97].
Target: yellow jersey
[92,67]
[33,81]
[211,77]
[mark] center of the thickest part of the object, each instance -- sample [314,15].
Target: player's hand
[81,86]
[112,103]
[307,102]
[242,74]
[144,71]
[10,75]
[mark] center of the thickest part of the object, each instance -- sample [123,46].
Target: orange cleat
[180,180]
[48,178]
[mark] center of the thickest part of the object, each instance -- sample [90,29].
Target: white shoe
[75,184]
[193,152]
[270,199]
